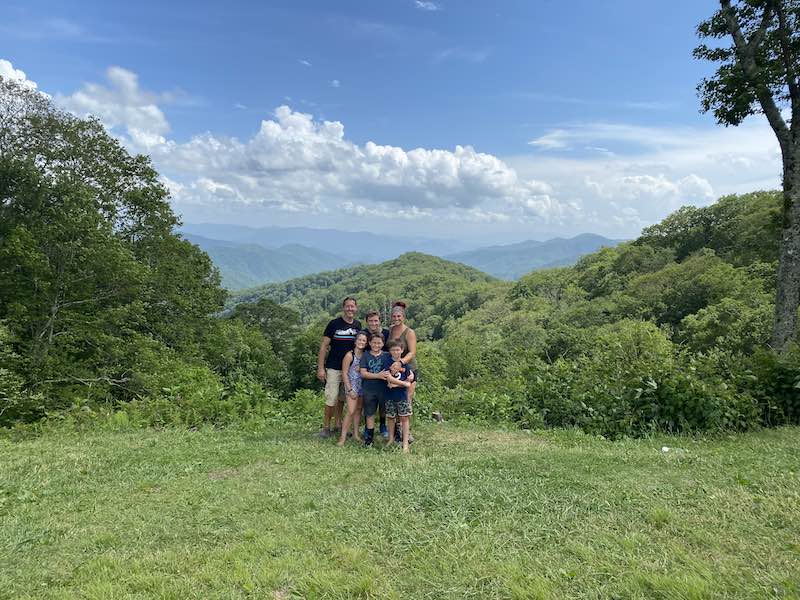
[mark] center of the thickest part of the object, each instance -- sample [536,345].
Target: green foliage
[303,360]
[681,289]
[434,374]
[734,324]
[181,394]
[106,313]
[610,269]
[774,381]
[733,94]
[16,403]
[238,353]
[650,335]
[436,288]
[279,324]
[740,229]
[102,302]
[599,390]
[700,395]
[478,405]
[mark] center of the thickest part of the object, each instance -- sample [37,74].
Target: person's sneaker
[324,433]
[384,432]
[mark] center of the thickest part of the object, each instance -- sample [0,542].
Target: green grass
[472,513]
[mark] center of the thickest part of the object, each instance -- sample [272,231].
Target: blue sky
[504,120]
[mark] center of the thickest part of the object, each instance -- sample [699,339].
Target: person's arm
[368,375]
[411,346]
[402,383]
[323,352]
[348,360]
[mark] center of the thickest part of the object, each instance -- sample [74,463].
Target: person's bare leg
[390,425]
[355,417]
[339,410]
[406,427]
[411,389]
[351,409]
[326,417]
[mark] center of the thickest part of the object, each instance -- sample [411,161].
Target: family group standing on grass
[373,370]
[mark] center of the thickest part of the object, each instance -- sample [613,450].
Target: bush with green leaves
[473,404]
[733,324]
[598,390]
[238,352]
[700,394]
[17,404]
[774,381]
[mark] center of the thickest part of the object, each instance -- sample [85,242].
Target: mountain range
[512,261]
[381,247]
[248,257]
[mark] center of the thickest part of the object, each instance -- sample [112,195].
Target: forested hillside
[436,290]
[248,265]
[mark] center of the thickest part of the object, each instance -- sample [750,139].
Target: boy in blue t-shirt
[397,404]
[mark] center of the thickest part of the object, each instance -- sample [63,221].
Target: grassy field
[472,513]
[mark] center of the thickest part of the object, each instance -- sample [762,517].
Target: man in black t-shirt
[338,339]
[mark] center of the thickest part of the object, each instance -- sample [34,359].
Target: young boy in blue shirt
[397,405]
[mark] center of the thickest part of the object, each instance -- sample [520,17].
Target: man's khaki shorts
[334,387]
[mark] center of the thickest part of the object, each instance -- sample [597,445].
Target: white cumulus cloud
[121,104]
[297,163]
[611,178]
[7,71]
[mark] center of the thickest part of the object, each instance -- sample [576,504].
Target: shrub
[599,391]
[733,324]
[699,394]
[774,382]
[471,404]
[16,403]
[433,366]
[181,394]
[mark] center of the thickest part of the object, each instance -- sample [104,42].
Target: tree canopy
[758,73]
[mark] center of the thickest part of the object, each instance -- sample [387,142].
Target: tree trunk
[787,297]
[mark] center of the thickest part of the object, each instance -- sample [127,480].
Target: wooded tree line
[100,300]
